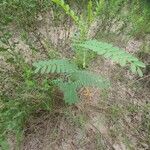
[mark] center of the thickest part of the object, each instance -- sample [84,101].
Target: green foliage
[70,92]
[24,95]
[88,79]
[23,12]
[115,54]
[13,114]
[67,10]
[109,51]
[27,95]
[90,12]
[82,24]
[76,78]
[140,16]
[78,19]
[55,66]
[100,4]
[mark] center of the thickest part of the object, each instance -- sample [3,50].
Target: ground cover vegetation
[28,86]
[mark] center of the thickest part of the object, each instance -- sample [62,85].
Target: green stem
[84,58]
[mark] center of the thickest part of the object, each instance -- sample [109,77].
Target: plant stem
[84,58]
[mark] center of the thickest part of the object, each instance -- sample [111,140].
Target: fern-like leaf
[85,78]
[70,92]
[114,53]
[80,79]
[55,66]
[77,78]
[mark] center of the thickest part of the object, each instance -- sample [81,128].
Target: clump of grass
[23,13]
[22,93]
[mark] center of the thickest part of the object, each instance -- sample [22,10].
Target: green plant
[140,16]
[23,12]
[77,78]
[13,114]
[73,78]
[25,95]
[82,24]
[21,94]
[115,54]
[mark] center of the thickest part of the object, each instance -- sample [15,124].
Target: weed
[24,12]
[75,77]
[24,95]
